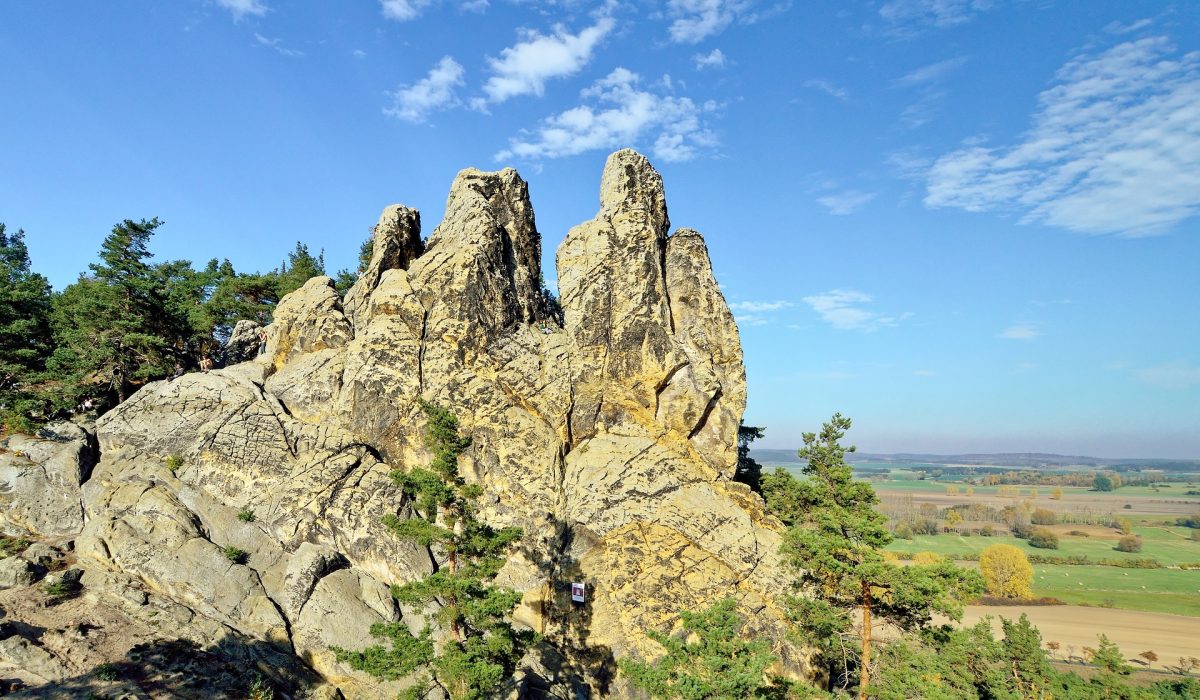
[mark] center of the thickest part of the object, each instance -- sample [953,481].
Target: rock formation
[607,433]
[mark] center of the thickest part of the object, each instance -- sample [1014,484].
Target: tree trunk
[864,674]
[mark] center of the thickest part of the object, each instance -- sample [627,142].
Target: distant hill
[1022,460]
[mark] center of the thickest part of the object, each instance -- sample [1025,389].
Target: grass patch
[246,515]
[1165,545]
[12,546]
[1153,590]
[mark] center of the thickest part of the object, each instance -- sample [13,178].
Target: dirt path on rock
[1169,636]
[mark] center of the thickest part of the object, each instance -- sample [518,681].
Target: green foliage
[246,515]
[967,663]
[300,267]
[107,672]
[260,689]
[834,542]
[174,462]
[748,471]
[712,660]
[235,555]
[483,647]
[1103,482]
[25,337]
[61,588]
[1129,543]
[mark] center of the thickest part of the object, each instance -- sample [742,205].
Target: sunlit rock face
[607,432]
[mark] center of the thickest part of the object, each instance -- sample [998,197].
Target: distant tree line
[126,321]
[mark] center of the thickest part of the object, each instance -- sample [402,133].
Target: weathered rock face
[40,478]
[243,342]
[608,434]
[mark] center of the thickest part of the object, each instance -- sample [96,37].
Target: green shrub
[61,588]
[1043,516]
[235,555]
[246,515]
[1129,543]
[260,689]
[904,531]
[107,672]
[174,462]
[1043,539]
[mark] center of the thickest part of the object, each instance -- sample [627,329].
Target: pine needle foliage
[713,660]
[477,648]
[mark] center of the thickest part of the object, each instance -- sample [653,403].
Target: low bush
[246,515]
[1078,533]
[174,462]
[1043,516]
[1129,543]
[61,588]
[12,546]
[1142,563]
[1043,539]
[107,672]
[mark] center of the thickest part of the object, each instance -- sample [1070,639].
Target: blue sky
[967,224]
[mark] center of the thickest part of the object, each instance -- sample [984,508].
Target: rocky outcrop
[243,342]
[252,496]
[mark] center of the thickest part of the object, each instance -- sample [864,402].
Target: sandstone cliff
[607,433]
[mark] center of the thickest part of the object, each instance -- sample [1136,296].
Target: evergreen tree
[748,471]
[834,542]
[712,661]
[300,267]
[113,329]
[24,334]
[482,646]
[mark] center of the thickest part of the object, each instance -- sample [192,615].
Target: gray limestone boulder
[40,478]
[243,342]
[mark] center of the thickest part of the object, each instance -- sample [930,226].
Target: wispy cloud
[403,10]
[1021,331]
[713,59]
[924,373]
[1175,375]
[241,8]
[847,202]
[842,309]
[930,73]
[277,45]
[524,68]
[620,113]
[1114,148]
[827,87]
[696,20]
[1116,27]
[932,13]
[758,306]
[432,93]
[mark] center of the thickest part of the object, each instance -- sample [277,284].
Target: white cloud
[359,53]
[758,306]
[713,59]
[621,115]
[828,88]
[841,308]
[1114,148]
[241,8]
[432,93]
[931,73]
[403,10]
[843,203]
[1176,375]
[277,45]
[696,20]
[924,373]
[1116,27]
[1020,331]
[524,68]
[938,13]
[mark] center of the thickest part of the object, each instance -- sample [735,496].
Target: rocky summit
[604,424]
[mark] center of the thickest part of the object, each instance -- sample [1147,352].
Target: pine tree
[482,646]
[835,542]
[748,471]
[112,329]
[300,267]
[24,334]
